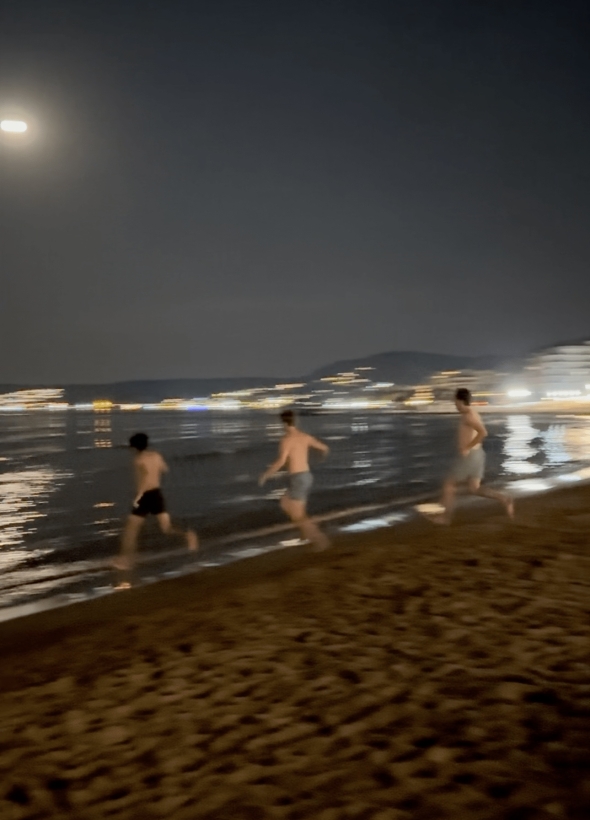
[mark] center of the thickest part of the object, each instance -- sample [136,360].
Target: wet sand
[419,672]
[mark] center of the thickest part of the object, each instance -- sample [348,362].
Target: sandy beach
[415,672]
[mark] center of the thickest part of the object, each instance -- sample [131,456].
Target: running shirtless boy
[469,465]
[293,452]
[149,466]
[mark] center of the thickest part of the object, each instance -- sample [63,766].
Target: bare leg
[476,489]
[165,524]
[298,514]
[126,557]
[449,491]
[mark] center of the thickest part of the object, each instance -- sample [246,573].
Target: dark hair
[463,395]
[288,417]
[139,441]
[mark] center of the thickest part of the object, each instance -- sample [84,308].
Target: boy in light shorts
[469,464]
[293,453]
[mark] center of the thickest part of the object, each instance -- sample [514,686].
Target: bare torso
[296,446]
[149,466]
[467,432]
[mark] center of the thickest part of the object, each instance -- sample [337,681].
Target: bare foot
[123,585]
[121,563]
[192,541]
[510,508]
[321,544]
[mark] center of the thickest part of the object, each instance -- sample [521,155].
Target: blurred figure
[149,466]
[469,465]
[293,452]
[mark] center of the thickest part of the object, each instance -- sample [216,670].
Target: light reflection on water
[102,431]
[23,495]
[518,447]
[44,574]
[555,445]
[577,439]
[368,524]
[531,485]
[527,443]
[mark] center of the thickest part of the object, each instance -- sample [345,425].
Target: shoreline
[547,407]
[361,518]
[240,571]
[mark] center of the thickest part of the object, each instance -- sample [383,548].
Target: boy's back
[149,466]
[295,445]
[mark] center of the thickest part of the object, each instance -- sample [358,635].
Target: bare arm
[318,445]
[276,465]
[476,424]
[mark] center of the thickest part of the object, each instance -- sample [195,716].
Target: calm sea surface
[65,482]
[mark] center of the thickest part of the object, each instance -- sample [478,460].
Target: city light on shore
[14,126]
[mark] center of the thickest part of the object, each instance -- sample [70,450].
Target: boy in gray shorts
[293,453]
[469,464]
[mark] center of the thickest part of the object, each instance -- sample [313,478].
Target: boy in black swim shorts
[149,467]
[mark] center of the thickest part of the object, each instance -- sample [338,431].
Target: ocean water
[66,484]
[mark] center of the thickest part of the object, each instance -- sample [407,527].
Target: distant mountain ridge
[400,367]
[412,367]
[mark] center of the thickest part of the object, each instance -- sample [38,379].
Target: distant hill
[411,367]
[402,368]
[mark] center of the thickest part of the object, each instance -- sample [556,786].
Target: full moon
[14,126]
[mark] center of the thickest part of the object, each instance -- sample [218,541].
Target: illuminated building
[102,406]
[422,395]
[257,398]
[183,404]
[349,379]
[172,404]
[484,385]
[41,398]
[562,371]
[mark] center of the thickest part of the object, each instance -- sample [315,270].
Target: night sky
[250,188]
